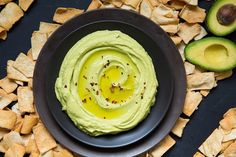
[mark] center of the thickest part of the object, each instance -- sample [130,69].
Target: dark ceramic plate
[167,62]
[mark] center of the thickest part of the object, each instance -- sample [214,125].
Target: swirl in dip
[107,83]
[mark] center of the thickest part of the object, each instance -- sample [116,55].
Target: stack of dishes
[169,71]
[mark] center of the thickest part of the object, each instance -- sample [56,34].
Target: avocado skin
[212,23]
[198,43]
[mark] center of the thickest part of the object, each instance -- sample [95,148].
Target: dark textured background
[202,122]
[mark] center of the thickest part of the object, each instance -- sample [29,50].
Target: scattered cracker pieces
[189,68]
[25,99]
[63,14]
[179,126]
[193,14]
[29,122]
[3,33]
[146,8]
[14,74]
[163,146]
[16,150]
[25,4]
[192,101]
[132,3]
[176,39]
[95,4]
[38,39]
[7,119]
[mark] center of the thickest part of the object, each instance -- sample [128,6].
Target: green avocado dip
[107,83]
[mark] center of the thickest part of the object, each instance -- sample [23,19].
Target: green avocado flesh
[213,24]
[212,53]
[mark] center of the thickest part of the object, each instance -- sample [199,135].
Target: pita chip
[16,150]
[48,28]
[11,138]
[18,124]
[146,8]
[164,1]
[162,20]
[228,123]
[212,145]
[95,4]
[202,34]
[176,4]
[230,136]
[155,3]
[193,14]
[31,146]
[14,74]
[223,75]
[189,68]
[43,139]
[3,132]
[162,147]
[132,3]
[172,28]
[29,54]
[7,119]
[35,154]
[25,65]
[8,85]
[29,122]
[15,109]
[61,152]
[198,154]
[199,81]
[192,101]
[181,48]
[3,33]
[25,99]
[176,39]
[25,4]
[3,2]
[205,92]
[63,14]
[10,15]
[188,31]
[225,145]
[230,151]
[4,101]
[30,83]
[115,3]
[179,126]
[38,39]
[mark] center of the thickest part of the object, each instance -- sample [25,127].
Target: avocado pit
[226,15]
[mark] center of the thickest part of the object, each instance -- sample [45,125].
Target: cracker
[205,92]
[132,3]
[13,73]
[18,124]
[19,82]
[48,28]
[202,34]
[171,28]
[188,31]
[26,139]
[127,7]
[199,81]
[146,8]
[223,75]
[95,4]
[29,54]
[176,4]
[61,152]
[30,83]
[7,119]
[179,126]
[25,99]
[43,139]
[2,148]
[48,154]
[193,14]
[230,112]
[29,122]
[34,154]
[189,68]
[16,150]
[192,101]
[31,146]
[25,4]
[4,101]
[3,33]
[8,85]
[164,1]
[176,39]
[230,151]
[10,15]
[115,3]
[162,20]
[155,3]
[212,145]
[3,132]
[3,2]
[181,48]
[38,39]
[228,123]
[25,65]
[230,136]
[11,138]
[162,147]
[225,145]
[63,14]
[198,154]
[15,108]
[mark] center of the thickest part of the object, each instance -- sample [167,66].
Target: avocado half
[212,53]
[212,22]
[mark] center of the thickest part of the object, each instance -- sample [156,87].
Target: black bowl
[149,35]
